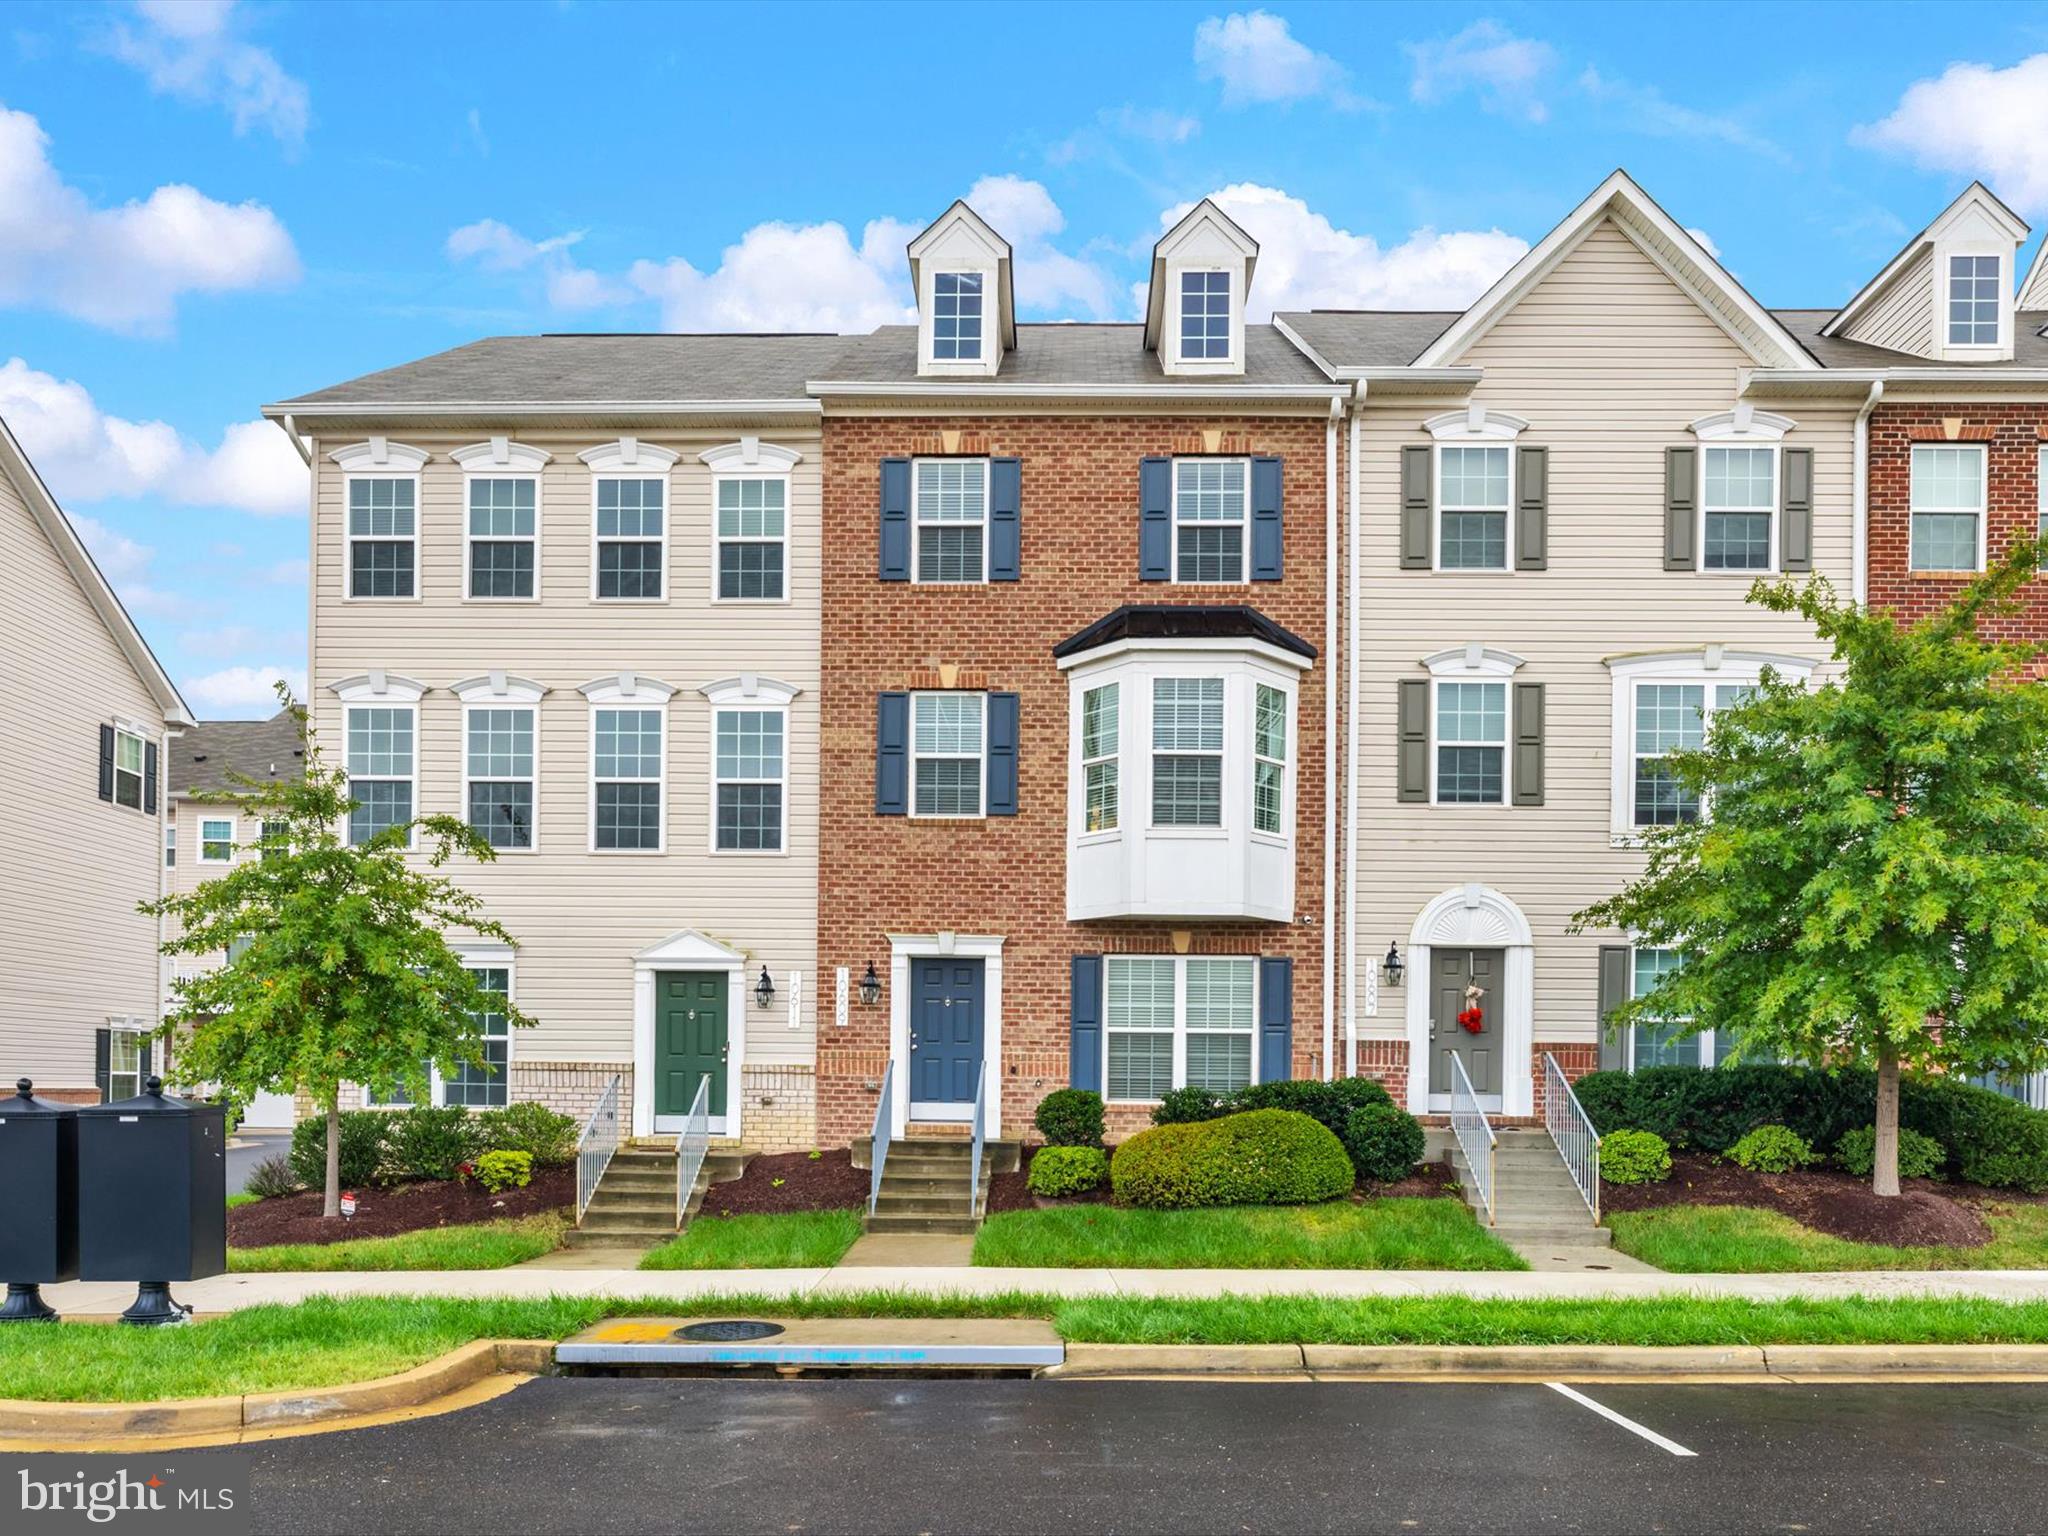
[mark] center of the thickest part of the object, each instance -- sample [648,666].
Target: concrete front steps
[635,1203]
[1535,1202]
[925,1184]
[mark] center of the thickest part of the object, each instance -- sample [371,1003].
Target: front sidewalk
[226,1293]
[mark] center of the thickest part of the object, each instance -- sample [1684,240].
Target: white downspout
[1328,1062]
[1859,576]
[1351,606]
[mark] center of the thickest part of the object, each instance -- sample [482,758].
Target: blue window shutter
[1084,1048]
[1276,1020]
[1266,540]
[892,754]
[1005,519]
[1155,519]
[1002,754]
[895,519]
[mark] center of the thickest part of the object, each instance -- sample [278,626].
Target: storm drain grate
[728,1331]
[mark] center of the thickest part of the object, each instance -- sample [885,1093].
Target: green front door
[689,1039]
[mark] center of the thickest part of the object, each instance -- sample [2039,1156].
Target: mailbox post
[38,1201]
[152,1197]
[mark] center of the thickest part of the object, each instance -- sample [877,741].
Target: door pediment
[690,949]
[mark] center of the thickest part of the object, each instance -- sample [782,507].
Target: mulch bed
[399,1209]
[826,1183]
[1428,1181]
[1926,1214]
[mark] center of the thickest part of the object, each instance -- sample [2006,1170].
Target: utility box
[38,1198]
[152,1189]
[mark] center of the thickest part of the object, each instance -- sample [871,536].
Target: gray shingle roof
[1369,338]
[203,757]
[1072,354]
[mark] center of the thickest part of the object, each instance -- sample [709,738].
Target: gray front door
[1451,971]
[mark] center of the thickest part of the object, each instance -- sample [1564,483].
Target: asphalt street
[680,1455]
[255,1147]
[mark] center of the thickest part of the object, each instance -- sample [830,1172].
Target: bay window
[1269,760]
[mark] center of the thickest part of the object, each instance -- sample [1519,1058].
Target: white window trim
[626,690]
[751,459]
[917,524]
[140,773]
[1474,426]
[1944,277]
[988,294]
[1711,665]
[2041,491]
[757,695]
[1983,508]
[1705,1037]
[1082,762]
[1474,662]
[1284,762]
[1244,548]
[378,689]
[234,839]
[501,459]
[380,459]
[170,844]
[1233,321]
[125,1024]
[1776,511]
[500,690]
[1180,1018]
[628,458]
[1236,738]
[981,757]
[474,957]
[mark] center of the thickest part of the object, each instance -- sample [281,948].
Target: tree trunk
[1884,1175]
[332,1208]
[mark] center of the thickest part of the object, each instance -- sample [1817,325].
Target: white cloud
[1024,213]
[1505,71]
[126,565]
[1155,125]
[1257,59]
[188,49]
[1644,108]
[123,268]
[498,247]
[1705,240]
[242,691]
[1305,262]
[87,455]
[1974,120]
[239,639]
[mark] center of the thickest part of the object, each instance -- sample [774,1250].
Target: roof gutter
[288,409]
[926,389]
[1398,374]
[1858,379]
[299,444]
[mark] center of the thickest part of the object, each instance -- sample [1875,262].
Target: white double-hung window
[1947,497]
[498,753]
[753,531]
[1100,730]
[1204,315]
[1175,1021]
[1211,511]
[948,751]
[217,840]
[956,316]
[1738,500]
[949,512]
[1471,743]
[1187,752]
[1269,760]
[128,761]
[751,754]
[380,765]
[1973,301]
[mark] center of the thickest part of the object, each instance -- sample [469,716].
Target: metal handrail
[594,1148]
[693,1141]
[974,1167]
[1469,1125]
[1571,1128]
[880,1154]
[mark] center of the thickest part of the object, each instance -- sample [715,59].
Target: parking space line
[1626,1423]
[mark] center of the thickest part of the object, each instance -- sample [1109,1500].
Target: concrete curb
[1734,1362]
[214,1416]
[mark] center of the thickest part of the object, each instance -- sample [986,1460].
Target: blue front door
[945,1031]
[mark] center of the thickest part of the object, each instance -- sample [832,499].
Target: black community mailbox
[38,1201]
[152,1197]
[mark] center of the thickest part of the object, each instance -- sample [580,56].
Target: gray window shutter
[1005,524]
[1412,723]
[1002,754]
[1155,519]
[149,778]
[1418,509]
[1276,1020]
[1614,989]
[1681,507]
[1266,537]
[895,519]
[106,762]
[892,754]
[1795,512]
[144,1053]
[1084,1030]
[1532,509]
[103,1061]
[1528,743]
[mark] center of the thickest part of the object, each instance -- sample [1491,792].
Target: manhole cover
[728,1331]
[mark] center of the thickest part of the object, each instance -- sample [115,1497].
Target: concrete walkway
[229,1292]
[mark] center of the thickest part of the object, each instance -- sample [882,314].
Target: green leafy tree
[1870,882]
[342,971]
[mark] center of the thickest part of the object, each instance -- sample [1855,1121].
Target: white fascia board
[926,389]
[539,408]
[1857,381]
[1188,645]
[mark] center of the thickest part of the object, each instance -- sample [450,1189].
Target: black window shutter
[1532,509]
[1681,507]
[106,762]
[1002,754]
[144,1053]
[1412,745]
[895,520]
[149,778]
[1276,1020]
[1614,990]
[1267,540]
[1417,508]
[1005,519]
[1528,743]
[103,1061]
[1155,519]
[1795,512]
[892,754]
[1084,1036]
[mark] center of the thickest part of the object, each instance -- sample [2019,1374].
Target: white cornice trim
[499,687]
[627,454]
[749,688]
[380,453]
[1476,422]
[377,684]
[1709,659]
[1744,424]
[1474,660]
[500,453]
[626,688]
[1188,645]
[753,455]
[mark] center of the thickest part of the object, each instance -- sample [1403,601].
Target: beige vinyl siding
[1903,318]
[579,917]
[73,949]
[1608,361]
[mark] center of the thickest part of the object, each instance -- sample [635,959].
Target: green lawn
[328,1340]
[242,1199]
[1741,1239]
[795,1240]
[1379,1234]
[480,1245]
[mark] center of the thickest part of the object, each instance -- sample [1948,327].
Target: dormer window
[1204,316]
[1973,294]
[956,316]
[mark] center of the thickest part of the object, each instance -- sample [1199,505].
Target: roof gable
[1205,232]
[960,233]
[1975,206]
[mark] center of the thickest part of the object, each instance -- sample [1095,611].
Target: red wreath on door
[1473,1020]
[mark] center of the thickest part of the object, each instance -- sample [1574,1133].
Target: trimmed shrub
[1331,1102]
[1190,1106]
[500,1171]
[546,1137]
[1070,1117]
[273,1178]
[1634,1157]
[429,1142]
[1261,1157]
[1920,1157]
[1773,1149]
[1384,1142]
[362,1148]
[1058,1170]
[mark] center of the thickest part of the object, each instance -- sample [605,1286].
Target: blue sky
[208,206]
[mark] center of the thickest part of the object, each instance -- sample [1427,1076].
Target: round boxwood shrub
[1057,1171]
[1261,1157]
[431,1143]
[362,1148]
[1920,1157]
[1634,1157]
[1773,1149]
[546,1137]
[1384,1140]
[1189,1106]
[1070,1117]
[1331,1102]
